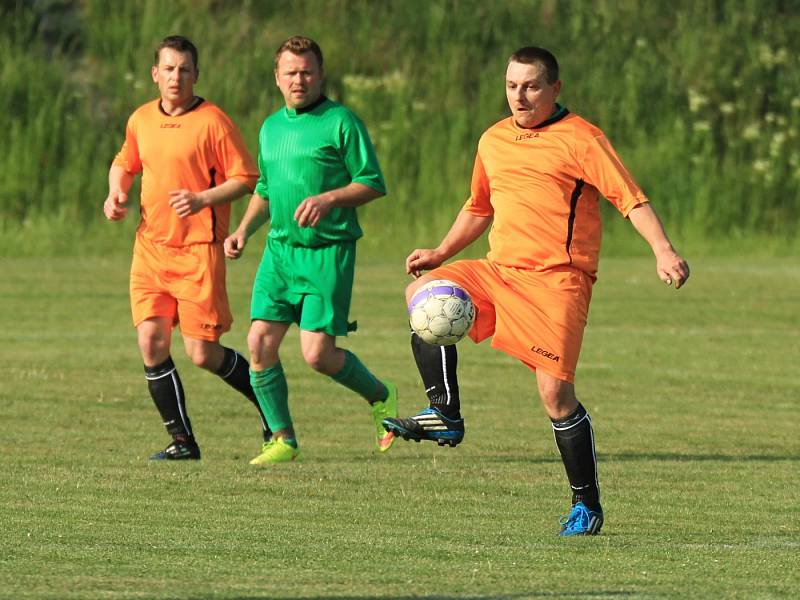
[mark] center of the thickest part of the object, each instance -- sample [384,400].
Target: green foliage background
[701,99]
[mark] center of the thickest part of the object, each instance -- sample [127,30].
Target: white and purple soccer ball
[441,312]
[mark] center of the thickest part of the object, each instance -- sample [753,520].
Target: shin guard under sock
[355,376]
[272,392]
[166,390]
[575,441]
[235,371]
[437,367]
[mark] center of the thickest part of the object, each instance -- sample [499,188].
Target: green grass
[693,396]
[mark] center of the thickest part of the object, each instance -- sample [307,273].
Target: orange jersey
[541,187]
[197,150]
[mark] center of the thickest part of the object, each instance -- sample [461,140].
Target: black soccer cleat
[179,450]
[429,424]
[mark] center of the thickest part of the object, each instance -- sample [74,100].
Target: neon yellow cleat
[276,451]
[381,410]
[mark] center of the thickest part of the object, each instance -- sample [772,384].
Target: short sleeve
[128,157]
[359,155]
[479,203]
[234,158]
[262,185]
[604,170]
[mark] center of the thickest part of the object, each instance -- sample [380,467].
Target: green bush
[701,99]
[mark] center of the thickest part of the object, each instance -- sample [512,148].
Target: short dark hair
[179,43]
[297,44]
[533,54]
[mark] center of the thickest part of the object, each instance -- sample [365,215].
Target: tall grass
[701,99]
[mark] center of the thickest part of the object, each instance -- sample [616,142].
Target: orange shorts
[185,284]
[535,316]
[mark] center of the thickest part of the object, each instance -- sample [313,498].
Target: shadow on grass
[514,596]
[676,457]
[620,456]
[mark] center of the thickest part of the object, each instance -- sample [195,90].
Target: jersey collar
[294,112]
[559,113]
[194,106]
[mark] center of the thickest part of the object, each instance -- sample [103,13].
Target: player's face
[299,78]
[175,75]
[531,99]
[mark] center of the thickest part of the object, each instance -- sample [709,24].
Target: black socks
[235,371]
[167,393]
[575,441]
[166,390]
[437,366]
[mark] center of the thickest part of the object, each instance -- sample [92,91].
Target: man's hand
[234,244]
[113,206]
[672,268]
[186,202]
[422,259]
[312,210]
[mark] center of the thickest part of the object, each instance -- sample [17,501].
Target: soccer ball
[441,312]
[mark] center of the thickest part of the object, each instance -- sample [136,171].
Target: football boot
[581,521]
[429,424]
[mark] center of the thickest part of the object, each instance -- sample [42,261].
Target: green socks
[272,392]
[355,376]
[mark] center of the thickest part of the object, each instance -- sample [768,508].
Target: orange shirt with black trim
[197,150]
[541,186]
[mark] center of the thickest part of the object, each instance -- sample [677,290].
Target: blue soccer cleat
[581,521]
[429,424]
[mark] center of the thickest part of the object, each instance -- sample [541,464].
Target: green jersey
[306,152]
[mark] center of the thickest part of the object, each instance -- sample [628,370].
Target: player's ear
[154,73]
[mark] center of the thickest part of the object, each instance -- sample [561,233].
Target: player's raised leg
[166,389]
[572,429]
[344,367]
[441,421]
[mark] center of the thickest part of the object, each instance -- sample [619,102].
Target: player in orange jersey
[193,163]
[536,181]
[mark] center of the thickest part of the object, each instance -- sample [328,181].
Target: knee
[559,400]
[263,354]
[254,343]
[412,287]
[316,359]
[154,348]
[202,357]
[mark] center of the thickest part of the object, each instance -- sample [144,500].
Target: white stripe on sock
[444,374]
[568,427]
[233,368]
[157,377]
[180,403]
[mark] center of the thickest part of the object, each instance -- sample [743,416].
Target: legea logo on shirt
[526,136]
[170,126]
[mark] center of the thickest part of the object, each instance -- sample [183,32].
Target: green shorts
[308,286]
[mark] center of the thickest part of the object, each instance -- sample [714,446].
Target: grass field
[693,395]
